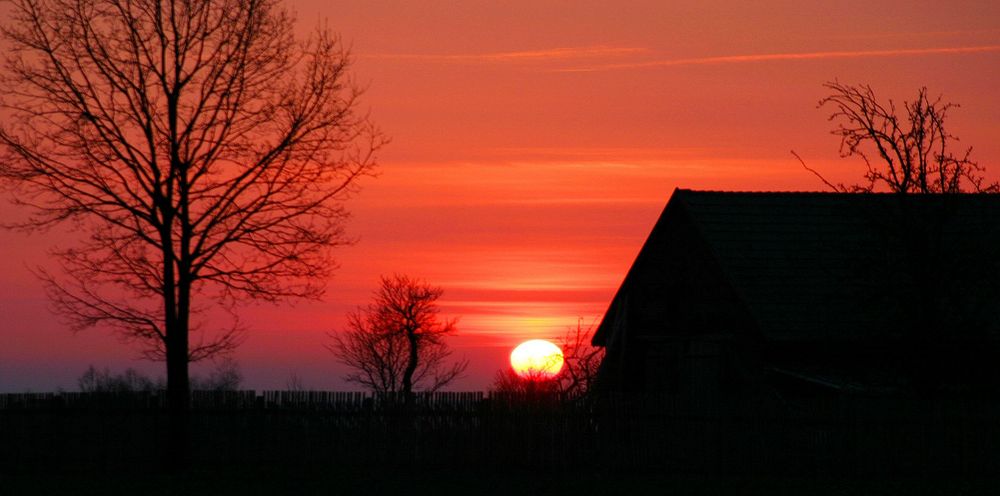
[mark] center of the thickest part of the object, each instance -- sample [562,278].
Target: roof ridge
[827,193]
[773,192]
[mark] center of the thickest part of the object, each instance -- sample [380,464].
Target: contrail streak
[731,59]
[520,56]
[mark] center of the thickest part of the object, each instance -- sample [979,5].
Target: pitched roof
[827,264]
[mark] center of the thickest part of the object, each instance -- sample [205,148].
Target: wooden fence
[831,437]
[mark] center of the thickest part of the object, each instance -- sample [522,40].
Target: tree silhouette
[905,150]
[576,379]
[396,344]
[104,381]
[581,361]
[225,376]
[205,150]
[527,384]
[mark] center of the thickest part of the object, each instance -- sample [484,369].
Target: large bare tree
[396,344]
[204,149]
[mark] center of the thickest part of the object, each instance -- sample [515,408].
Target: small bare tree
[507,381]
[226,375]
[905,150]
[581,361]
[576,379]
[206,151]
[397,342]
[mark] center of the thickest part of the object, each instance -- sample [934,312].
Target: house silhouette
[792,294]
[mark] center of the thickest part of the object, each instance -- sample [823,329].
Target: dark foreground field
[338,443]
[445,482]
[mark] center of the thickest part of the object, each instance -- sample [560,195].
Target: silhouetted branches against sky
[397,343]
[905,150]
[581,360]
[203,148]
[577,378]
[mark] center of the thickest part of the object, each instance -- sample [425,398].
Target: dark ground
[868,448]
[444,482]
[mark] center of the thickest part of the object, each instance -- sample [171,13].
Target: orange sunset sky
[534,145]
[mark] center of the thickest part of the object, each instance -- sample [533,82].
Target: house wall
[678,324]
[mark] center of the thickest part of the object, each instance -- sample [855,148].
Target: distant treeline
[225,376]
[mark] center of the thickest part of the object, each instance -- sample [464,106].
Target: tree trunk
[178,396]
[411,364]
[178,380]
[176,297]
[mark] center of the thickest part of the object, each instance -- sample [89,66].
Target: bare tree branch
[580,361]
[913,150]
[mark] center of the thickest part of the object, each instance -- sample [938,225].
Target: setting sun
[536,359]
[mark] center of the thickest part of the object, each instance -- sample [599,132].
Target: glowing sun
[536,359]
